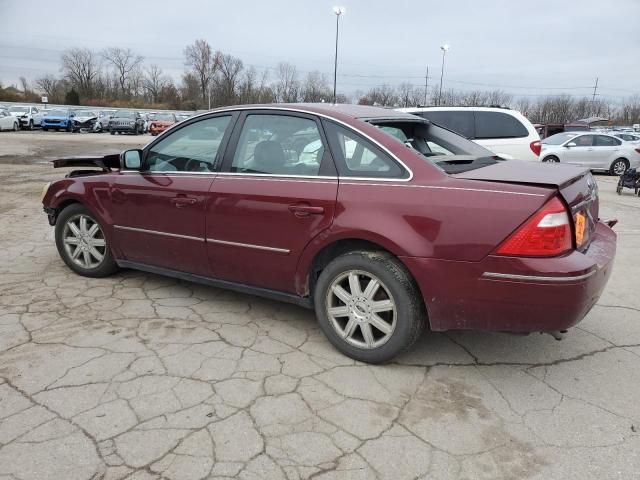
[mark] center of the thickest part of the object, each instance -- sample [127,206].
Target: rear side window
[358,157]
[498,125]
[602,141]
[460,122]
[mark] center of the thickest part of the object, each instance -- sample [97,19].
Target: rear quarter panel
[449,219]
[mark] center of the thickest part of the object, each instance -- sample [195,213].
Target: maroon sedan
[381,221]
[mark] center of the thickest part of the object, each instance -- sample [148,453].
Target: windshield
[447,150]
[165,117]
[57,113]
[125,114]
[20,109]
[558,138]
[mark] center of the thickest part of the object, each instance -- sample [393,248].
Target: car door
[581,153]
[606,149]
[6,120]
[277,191]
[159,212]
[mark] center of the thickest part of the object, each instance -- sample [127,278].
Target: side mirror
[132,160]
[571,144]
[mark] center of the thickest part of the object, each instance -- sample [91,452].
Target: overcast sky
[525,48]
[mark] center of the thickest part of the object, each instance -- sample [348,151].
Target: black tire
[551,159]
[107,266]
[69,128]
[45,129]
[616,166]
[112,132]
[16,127]
[30,127]
[410,311]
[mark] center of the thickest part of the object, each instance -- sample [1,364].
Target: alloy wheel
[619,167]
[361,309]
[84,241]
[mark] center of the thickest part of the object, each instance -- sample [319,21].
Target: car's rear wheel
[551,159]
[619,166]
[112,132]
[82,244]
[368,306]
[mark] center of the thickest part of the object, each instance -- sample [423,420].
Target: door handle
[589,149]
[302,210]
[180,202]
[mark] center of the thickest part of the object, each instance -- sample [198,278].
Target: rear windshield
[449,151]
[558,138]
[165,117]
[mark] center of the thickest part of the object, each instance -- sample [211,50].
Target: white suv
[505,132]
[27,115]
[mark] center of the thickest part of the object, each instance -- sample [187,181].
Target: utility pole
[338,11]
[426,87]
[595,89]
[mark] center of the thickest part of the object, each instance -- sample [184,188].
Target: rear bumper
[515,294]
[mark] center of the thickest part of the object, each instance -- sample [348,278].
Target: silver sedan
[596,151]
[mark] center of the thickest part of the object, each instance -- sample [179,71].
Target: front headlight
[45,188]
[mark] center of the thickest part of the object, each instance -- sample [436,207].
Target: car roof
[444,108]
[360,112]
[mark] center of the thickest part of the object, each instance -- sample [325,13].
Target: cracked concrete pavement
[143,377]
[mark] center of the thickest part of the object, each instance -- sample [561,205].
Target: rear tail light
[546,234]
[536,147]
[637,150]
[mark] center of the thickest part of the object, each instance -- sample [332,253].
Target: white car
[27,115]
[596,151]
[8,121]
[628,137]
[505,132]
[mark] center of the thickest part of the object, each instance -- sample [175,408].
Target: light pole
[338,12]
[444,49]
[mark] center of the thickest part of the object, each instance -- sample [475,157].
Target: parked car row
[28,117]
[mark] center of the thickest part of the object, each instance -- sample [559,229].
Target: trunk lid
[576,185]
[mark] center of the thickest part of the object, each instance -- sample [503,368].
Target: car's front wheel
[16,127]
[619,166]
[82,244]
[369,306]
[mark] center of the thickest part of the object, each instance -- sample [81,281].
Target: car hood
[85,118]
[523,172]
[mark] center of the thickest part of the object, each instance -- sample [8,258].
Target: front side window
[279,145]
[498,125]
[358,157]
[193,148]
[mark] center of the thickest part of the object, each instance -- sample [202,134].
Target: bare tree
[154,81]
[81,67]
[230,68]
[316,88]
[203,62]
[24,84]
[287,86]
[124,61]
